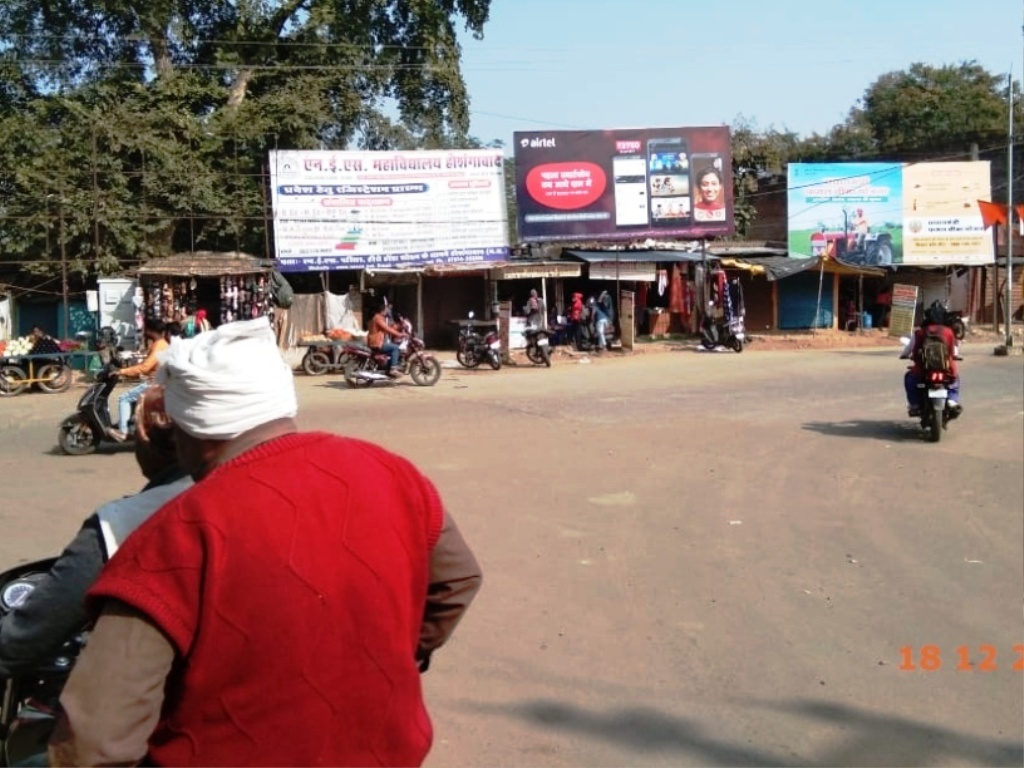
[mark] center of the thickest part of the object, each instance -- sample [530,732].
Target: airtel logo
[626,147]
[539,143]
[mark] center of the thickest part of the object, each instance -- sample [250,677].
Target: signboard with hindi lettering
[904,309]
[358,210]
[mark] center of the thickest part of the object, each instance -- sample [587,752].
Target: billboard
[623,184]
[354,210]
[885,214]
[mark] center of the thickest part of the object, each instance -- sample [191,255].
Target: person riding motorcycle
[381,337]
[56,608]
[931,325]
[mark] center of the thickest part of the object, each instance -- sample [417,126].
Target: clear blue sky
[792,64]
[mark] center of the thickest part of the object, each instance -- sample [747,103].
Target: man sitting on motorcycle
[56,608]
[931,326]
[380,338]
[157,340]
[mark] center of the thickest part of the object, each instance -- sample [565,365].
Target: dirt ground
[690,558]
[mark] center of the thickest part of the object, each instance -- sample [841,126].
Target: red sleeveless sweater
[292,582]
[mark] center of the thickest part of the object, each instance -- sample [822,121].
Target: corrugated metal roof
[592,257]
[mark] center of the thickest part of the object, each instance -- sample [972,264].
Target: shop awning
[205,264]
[781,267]
[656,256]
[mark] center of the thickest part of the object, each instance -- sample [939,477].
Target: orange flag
[993,213]
[1020,218]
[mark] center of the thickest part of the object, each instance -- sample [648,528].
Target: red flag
[993,213]
[1020,218]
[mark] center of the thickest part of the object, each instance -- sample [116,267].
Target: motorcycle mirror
[471,314]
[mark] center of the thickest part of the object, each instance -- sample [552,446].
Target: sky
[797,65]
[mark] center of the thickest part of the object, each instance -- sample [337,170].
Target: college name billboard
[887,214]
[623,184]
[357,210]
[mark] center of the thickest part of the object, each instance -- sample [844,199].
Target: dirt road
[690,559]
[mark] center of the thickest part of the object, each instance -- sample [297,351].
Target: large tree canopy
[132,127]
[921,113]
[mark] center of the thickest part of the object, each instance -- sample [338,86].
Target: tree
[928,111]
[154,117]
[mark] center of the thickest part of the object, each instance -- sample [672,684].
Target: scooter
[85,430]
[721,332]
[29,702]
[474,349]
[538,345]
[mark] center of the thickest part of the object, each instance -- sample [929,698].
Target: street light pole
[63,269]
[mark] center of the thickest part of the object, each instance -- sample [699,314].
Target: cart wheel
[315,363]
[55,377]
[12,381]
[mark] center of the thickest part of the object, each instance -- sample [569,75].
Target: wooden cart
[51,373]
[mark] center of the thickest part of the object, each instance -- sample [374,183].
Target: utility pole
[63,267]
[1008,306]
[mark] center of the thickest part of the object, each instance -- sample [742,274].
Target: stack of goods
[16,347]
[244,297]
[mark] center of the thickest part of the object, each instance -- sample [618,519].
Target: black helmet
[935,314]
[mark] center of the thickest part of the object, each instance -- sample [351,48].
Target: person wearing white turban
[225,391]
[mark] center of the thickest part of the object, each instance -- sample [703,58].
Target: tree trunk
[239,88]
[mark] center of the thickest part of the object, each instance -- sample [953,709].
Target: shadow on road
[885,429]
[868,738]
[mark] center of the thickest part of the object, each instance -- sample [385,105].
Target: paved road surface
[691,559]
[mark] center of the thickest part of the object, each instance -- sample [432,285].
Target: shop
[666,286]
[228,286]
[817,292]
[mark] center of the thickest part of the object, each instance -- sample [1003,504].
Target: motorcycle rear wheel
[934,428]
[533,354]
[425,371]
[78,439]
[545,356]
[467,359]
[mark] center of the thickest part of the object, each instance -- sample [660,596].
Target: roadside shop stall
[228,286]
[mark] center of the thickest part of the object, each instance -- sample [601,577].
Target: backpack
[934,352]
[280,290]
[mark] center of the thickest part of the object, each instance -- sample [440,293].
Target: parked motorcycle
[538,345]
[85,430]
[28,704]
[474,348]
[367,366]
[716,332]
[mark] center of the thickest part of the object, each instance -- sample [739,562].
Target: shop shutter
[798,300]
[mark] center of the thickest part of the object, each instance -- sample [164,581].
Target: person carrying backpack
[933,348]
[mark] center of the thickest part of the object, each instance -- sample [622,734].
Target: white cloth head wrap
[224,382]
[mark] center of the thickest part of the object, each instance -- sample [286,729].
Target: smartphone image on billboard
[629,174]
[708,182]
[668,174]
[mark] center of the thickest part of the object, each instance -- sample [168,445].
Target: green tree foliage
[140,127]
[921,113]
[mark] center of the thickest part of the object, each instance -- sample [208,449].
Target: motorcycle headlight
[15,593]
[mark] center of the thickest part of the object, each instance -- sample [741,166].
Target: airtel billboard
[623,184]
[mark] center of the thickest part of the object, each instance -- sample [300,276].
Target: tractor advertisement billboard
[623,184]
[888,214]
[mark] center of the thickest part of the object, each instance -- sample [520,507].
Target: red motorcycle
[366,366]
